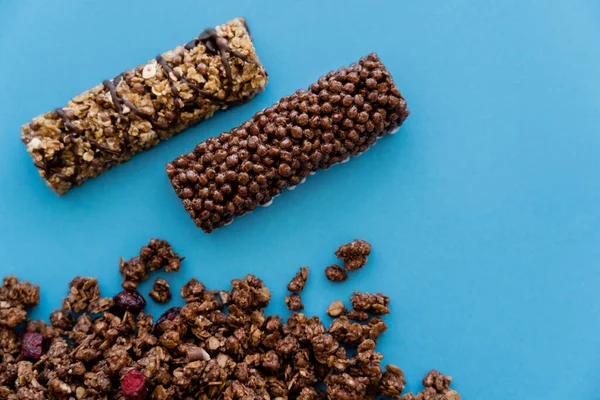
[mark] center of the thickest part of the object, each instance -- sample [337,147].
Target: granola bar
[342,114]
[134,111]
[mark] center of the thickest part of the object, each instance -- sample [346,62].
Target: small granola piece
[133,385]
[336,309]
[159,254]
[392,382]
[294,302]
[346,387]
[82,292]
[155,255]
[19,294]
[335,273]
[354,254]
[133,272]
[437,387]
[168,315]
[298,282]
[62,319]
[356,315]
[376,304]
[161,291]
[437,380]
[192,291]
[130,301]
[15,297]
[101,305]
[31,347]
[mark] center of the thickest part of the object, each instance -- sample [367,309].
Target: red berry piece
[133,385]
[170,315]
[130,301]
[31,348]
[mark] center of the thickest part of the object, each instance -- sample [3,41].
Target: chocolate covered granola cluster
[340,115]
[354,255]
[219,345]
[157,254]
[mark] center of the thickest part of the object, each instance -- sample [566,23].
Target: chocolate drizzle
[215,44]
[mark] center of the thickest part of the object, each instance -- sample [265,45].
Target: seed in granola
[133,385]
[294,302]
[354,254]
[130,301]
[161,291]
[335,273]
[298,282]
[31,347]
[336,309]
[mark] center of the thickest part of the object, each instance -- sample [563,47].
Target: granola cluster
[437,387]
[354,255]
[296,285]
[15,298]
[341,115]
[219,345]
[112,122]
[157,254]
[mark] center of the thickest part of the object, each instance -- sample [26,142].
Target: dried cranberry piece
[130,301]
[133,385]
[170,315]
[32,345]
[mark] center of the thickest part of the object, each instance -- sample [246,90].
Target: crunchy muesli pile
[219,345]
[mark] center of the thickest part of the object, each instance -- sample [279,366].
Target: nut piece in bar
[341,115]
[161,291]
[157,254]
[354,254]
[121,117]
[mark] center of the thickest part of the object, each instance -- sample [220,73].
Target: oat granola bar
[343,114]
[123,116]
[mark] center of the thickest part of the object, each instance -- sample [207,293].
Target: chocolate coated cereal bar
[343,114]
[109,124]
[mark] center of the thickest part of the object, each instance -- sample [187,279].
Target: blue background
[483,211]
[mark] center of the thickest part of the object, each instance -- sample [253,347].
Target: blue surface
[483,211]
